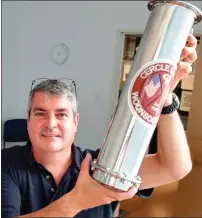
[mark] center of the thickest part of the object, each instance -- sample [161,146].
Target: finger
[127,195]
[184,68]
[191,41]
[132,191]
[85,165]
[189,54]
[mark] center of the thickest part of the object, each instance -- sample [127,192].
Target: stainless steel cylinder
[144,92]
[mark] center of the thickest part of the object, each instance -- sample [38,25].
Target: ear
[76,121]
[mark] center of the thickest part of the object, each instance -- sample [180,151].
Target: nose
[51,122]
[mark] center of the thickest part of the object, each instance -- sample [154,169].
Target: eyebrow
[38,109]
[62,110]
[57,110]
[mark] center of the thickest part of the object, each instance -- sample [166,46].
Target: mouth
[51,136]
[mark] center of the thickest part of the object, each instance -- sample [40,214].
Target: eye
[62,115]
[39,114]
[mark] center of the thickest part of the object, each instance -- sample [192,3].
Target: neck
[56,163]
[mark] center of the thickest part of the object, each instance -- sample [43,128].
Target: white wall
[92,32]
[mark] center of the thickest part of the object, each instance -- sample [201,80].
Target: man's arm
[63,207]
[172,161]
[11,202]
[86,194]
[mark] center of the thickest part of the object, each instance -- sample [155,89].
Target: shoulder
[14,155]
[82,152]
[13,151]
[14,162]
[79,155]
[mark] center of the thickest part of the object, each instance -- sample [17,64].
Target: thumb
[86,163]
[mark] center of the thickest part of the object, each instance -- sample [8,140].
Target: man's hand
[188,56]
[89,193]
[86,194]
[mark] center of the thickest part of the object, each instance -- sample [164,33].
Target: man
[51,177]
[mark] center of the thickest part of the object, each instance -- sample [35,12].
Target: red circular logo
[148,90]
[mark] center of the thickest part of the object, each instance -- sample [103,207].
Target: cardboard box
[130,45]
[185,102]
[188,82]
[126,68]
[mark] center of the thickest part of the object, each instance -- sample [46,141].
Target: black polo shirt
[27,186]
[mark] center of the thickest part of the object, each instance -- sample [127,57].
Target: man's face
[51,125]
